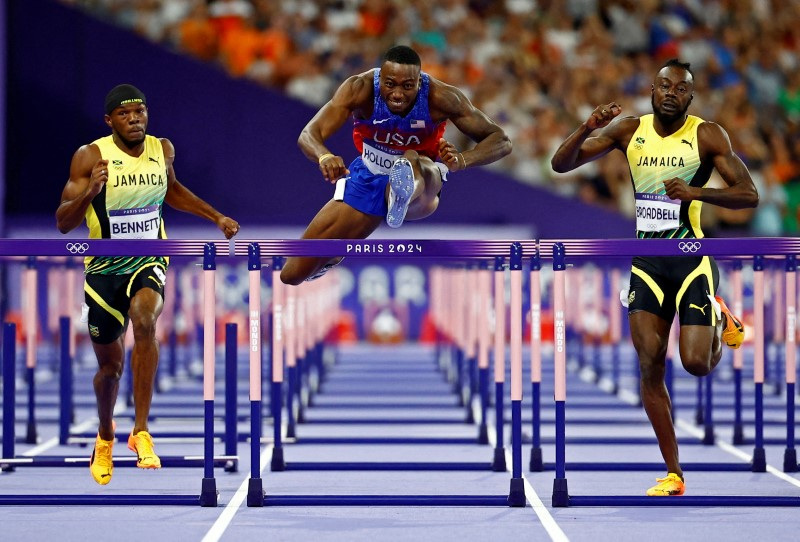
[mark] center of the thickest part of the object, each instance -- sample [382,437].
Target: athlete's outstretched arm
[88,175]
[181,198]
[350,96]
[492,143]
[715,146]
[579,148]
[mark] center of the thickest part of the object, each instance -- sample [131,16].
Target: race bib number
[657,212]
[142,223]
[378,162]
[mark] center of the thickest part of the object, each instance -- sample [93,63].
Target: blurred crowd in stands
[537,67]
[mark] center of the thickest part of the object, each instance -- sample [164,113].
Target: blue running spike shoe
[401,188]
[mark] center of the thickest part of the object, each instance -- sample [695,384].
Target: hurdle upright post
[536,462]
[560,490]
[30,327]
[790,357]
[276,390]
[738,356]
[759,456]
[499,462]
[9,387]
[231,401]
[209,494]
[255,489]
[485,304]
[65,410]
[516,496]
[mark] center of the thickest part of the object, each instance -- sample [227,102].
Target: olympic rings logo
[689,246]
[77,248]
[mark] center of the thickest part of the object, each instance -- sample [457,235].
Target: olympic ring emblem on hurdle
[689,246]
[77,248]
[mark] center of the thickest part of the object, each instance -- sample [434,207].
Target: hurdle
[208,496]
[579,249]
[430,249]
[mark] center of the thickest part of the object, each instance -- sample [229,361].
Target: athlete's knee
[412,156]
[291,277]
[144,324]
[110,370]
[651,372]
[697,366]
[696,358]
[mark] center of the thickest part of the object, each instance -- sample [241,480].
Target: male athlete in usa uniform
[671,155]
[399,115]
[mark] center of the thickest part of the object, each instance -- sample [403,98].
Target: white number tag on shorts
[142,223]
[657,212]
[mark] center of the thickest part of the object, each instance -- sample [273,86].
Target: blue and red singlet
[382,139]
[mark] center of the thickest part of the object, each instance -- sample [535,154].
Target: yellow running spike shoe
[100,464]
[142,444]
[733,334]
[671,485]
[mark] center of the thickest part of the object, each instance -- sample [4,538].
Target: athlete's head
[672,91]
[400,78]
[126,114]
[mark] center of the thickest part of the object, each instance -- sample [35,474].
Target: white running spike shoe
[401,188]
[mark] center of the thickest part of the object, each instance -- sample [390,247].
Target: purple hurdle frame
[423,249]
[592,249]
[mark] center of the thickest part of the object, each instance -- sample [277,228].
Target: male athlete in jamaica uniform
[399,115]
[119,184]
[671,156]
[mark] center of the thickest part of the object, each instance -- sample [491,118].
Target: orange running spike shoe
[672,485]
[142,444]
[733,334]
[100,464]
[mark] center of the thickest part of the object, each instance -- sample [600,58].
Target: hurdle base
[759,463]
[790,460]
[536,464]
[255,493]
[499,461]
[209,496]
[277,463]
[516,494]
[560,493]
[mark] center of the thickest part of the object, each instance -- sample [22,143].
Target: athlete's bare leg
[425,199]
[336,220]
[650,335]
[146,306]
[110,361]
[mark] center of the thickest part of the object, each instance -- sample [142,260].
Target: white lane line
[224,520]
[545,518]
[695,431]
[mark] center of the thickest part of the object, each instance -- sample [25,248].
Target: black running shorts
[109,298]
[660,285]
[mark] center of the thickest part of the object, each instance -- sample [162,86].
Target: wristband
[325,157]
